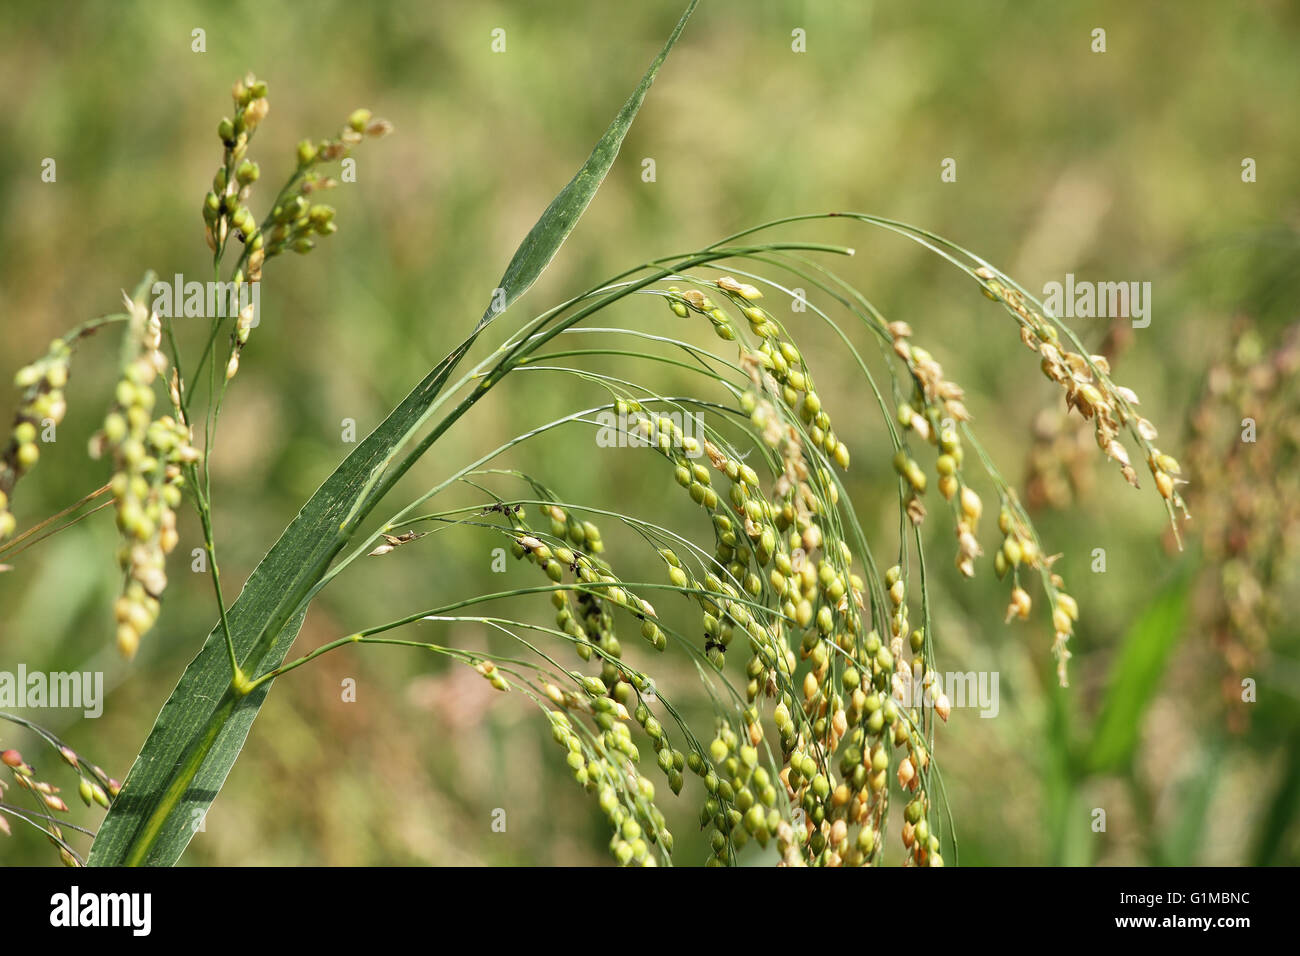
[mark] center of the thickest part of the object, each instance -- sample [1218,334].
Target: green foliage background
[1117,166]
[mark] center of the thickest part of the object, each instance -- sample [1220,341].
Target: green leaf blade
[549,232]
[1136,675]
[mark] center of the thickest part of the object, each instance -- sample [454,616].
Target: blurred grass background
[1123,165]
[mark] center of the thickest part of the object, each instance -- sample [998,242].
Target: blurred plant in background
[1246,430]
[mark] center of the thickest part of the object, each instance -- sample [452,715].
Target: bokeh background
[1123,165]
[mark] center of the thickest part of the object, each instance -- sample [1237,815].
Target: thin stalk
[63,527]
[53,518]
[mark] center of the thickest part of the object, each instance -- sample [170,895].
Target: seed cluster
[42,404]
[1089,391]
[94,786]
[742,801]
[839,714]
[294,222]
[776,356]
[606,764]
[149,456]
[598,590]
[224,209]
[935,408]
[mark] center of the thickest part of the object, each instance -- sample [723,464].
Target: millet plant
[815,646]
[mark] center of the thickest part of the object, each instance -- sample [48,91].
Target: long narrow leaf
[1136,676]
[548,234]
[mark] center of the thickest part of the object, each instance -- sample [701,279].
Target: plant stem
[205,518]
[203,496]
[62,527]
[52,518]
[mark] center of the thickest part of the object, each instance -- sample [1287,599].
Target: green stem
[285,668]
[209,544]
